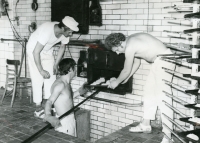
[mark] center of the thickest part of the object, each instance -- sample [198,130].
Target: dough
[193,136]
[98,81]
[197,105]
[195,119]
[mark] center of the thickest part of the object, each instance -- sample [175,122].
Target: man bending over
[144,46]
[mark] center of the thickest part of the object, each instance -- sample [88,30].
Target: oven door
[107,64]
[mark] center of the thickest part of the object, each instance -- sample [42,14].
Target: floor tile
[18,123]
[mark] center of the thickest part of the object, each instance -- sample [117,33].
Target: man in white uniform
[144,46]
[43,68]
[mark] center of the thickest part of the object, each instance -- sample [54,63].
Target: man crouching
[62,99]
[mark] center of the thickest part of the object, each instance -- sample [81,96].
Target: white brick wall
[125,16]
[6,47]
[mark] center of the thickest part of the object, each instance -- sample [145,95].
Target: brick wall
[125,16]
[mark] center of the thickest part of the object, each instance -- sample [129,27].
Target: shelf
[176,32]
[180,11]
[181,77]
[192,30]
[190,25]
[176,58]
[173,55]
[194,61]
[192,15]
[192,106]
[186,120]
[193,92]
[186,38]
[176,63]
[190,61]
[183,91]
[196,132]
[192,77]
[176,47]
[195,46]
[177,7]
[191,1]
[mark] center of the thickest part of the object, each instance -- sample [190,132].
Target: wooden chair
[14,81]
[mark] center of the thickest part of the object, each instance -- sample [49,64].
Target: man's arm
[59,57]
[36,55]
[47,110]
[82,90]
[136,65]
[128,64]
[56,91]
[76,94]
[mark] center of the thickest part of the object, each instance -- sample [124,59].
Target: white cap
[71,23]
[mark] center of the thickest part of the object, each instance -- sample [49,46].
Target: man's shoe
[165,140]
[39,114]
[141,128]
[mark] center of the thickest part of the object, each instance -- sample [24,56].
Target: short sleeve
[44,34]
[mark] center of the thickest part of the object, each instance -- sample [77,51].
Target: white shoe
[141,128]
[39,114]
[165,140]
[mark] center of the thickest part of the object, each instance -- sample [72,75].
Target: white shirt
[45,35]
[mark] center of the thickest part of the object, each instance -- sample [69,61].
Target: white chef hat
[71,23]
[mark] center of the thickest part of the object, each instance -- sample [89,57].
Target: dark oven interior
[106,64]
[78,9]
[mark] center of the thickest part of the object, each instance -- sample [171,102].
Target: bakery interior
[107,116]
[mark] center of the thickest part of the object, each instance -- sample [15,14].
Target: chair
[14,81]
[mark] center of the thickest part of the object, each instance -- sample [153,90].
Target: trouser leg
[36,79]
[48,64]
[161,86]
[149,99]
[68,125]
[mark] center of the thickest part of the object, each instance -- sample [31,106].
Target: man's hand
[55,69]
[113,84]
[82,90]
[45,74]
[55,122]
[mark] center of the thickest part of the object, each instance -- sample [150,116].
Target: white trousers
[38,81]
[153,92]
[68,125]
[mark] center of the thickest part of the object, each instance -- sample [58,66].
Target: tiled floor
[18,123]
[124,136]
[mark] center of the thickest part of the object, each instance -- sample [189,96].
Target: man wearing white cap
[43,68]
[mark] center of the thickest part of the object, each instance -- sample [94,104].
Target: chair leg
[31,96]
[20,92]
[13,96]
[4,93]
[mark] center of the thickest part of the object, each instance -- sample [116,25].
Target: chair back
[12,67]
[14,81]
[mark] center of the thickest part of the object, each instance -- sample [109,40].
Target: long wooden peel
[48,126]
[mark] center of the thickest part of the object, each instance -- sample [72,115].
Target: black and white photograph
[99,71]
